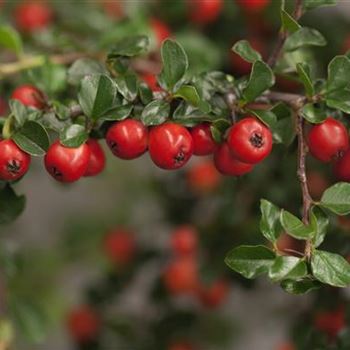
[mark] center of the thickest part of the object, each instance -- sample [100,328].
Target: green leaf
[11,205]
[312,4]
[155,113]
[304,37]
[73,136]
[32,138]
[10,39]
[288,22]
[294,226]
[261,78]
[330,268]
[338,71]
[130,46]
[267,117]
[299,287]
[146,94]
[303,70]
[118,113]
[339,100]
[287,267]
[175,64]
[96,95]
[337,198]
[245,50]
[270,220]
[284,131]
[319,221]
[189,94]
[127,86]
[19,111]
[313,115]
[250,261]
[83,67]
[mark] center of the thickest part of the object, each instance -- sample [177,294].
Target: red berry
[113,9]
[203,142]
[330,322]
[342,167]
[170,145]
[67,164]
[184,240]
[3,107]
[151,81]
[160,29]
[14,162]
[83,324]
[249,140]
[120,246]
[29,96]
[31,16]
[97,159]
[181,346]
[127,139]
[203,177]
[181,277]
[253,6]
[229,165]
[329,140]
[214,295]
[204,11]
[286,346]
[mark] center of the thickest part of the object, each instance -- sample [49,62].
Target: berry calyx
[127,139]
[83,324]
[328,141]
[204,11]
[250,141]
[342,167]
[184,240]
[120,246]
[215,294]
[170,145]
[67,164]
[97,160]
[203,142]
[227,164]
[160,29]
[31,16]
[30,96]
[14,162]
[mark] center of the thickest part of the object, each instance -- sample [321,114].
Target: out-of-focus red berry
[160,29]
[215,294]
[204,11]
[151,81]
[184,240]
[330,322]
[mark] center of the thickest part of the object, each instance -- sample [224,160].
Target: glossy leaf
[313,115]
[303,70]
[83,67]
[127,86]
[288,22]
[118,113]
[73,136]
[267,117]
[300,287]
[338,71]
[294,226]
[11,205]
[155,113]
[245,50]
[304,37]
[10,39]
[337,198]
[270,220]
[287,267]
[319,221]
[130,46]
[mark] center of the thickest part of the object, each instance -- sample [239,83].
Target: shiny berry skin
[170,145]
[342,167]
[67,164]
[203,142]
[253,6]
[328,141]
[204,11]
[330,322]
[29,96]
[14,162]
[250,141]
[181,276]
[181,346]
[160,29]
[31,16]
[214,295]
[184,240]
[127,139]
[83,324]
[97,159]
[120,246]
[203,177]
[227,164]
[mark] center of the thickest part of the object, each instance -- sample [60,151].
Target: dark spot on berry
[180,157]
[14,166]
[257,140]
[56,173]
[113,146]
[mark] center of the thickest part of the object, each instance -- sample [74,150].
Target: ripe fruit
[113,9]
[203,177]
[160,29]
[151,81]
[120,246]
[14,162]
[204,11]
[229,165]
[214,295]
[180,276]
[31,16]
[29,96]
[184,240]
[67,164]
[249,140]
[330,322]
[342,167]
[97,160]
[203,142]
[329,140]
[127,139]
[252,6]
[83,324]
[170,145]
[181,346]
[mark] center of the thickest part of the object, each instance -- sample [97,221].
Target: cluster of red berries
[329,142]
